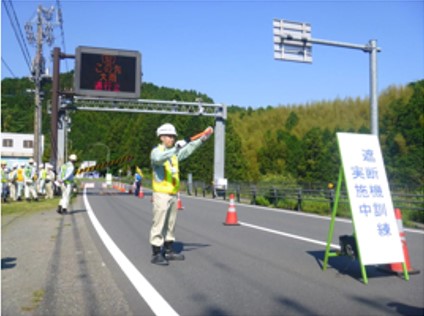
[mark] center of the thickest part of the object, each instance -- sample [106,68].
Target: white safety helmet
[166,129]
[31,161]
[73,157]
[15,165]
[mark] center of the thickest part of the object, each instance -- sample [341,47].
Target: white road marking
[293,213]
[314,241]
[156,302]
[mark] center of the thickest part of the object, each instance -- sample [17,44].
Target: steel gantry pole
[372,49]
[292,42]
[373,87]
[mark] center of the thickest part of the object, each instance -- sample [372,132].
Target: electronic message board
[103,72]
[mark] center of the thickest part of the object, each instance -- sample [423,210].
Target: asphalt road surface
[271,264]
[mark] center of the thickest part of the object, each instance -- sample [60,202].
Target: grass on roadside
[14,208]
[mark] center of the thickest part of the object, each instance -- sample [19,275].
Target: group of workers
[21,181]
[164,158]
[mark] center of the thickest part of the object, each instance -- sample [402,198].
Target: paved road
[269,265]
[96,261]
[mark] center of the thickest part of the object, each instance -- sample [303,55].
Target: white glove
[180,144]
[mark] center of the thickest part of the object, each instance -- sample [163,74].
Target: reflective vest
[28,173]
[3,176]
[170,183]
[43,174]
[64,170]
[20,175]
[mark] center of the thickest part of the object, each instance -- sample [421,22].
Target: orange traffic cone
[141,193]
[179,203]
[397,267]
[231,213]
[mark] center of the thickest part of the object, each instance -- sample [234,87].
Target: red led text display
[108,73]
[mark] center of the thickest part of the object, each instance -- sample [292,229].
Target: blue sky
[225,48]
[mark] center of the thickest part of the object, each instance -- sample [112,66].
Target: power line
[7,66]
[17,30]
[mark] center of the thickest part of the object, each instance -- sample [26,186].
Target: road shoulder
[51,266]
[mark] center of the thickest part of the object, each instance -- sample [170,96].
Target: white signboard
[291,41]
[371,204]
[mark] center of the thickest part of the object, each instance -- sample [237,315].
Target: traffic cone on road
[231,213]
[179,203]
[398,267]
[141,193]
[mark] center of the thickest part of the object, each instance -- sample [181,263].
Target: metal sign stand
[328,252]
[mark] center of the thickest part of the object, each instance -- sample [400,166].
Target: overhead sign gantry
[293,42]
[108,80]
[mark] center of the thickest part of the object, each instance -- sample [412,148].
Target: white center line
[268,230]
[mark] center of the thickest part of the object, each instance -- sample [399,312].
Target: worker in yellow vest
[4,181]
[66,179]
[12,182]
[42,173]
[50,178]
[20,182]
[30,178]
[166,184]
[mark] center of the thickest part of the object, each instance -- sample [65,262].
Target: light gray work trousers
[66,195]
[164,218]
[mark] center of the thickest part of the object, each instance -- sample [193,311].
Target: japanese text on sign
[370,199]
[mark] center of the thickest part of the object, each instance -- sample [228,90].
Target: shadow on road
[179,246]
[346,265]
[8,263]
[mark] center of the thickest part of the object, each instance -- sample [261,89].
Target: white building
[18,148]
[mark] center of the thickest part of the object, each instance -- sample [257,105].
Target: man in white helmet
[12,182]
[66,180]
[42,173]
[30,177]
[166,184]
[20,181]
[50,178]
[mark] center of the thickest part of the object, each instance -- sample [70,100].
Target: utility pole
[44,33]
[37,80]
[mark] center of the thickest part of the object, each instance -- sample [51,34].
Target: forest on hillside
[295,143]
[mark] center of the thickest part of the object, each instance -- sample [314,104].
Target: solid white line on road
[314,241]
[156,302]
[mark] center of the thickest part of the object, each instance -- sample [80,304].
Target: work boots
[157,257]
[170,254]
[59,209]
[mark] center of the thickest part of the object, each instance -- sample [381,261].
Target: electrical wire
[8,68]
[17,30]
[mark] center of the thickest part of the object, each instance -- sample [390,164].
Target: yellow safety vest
[170,183]
[3,176]
[20,175]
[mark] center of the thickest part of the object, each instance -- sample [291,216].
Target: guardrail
[293,197]
[307,198]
